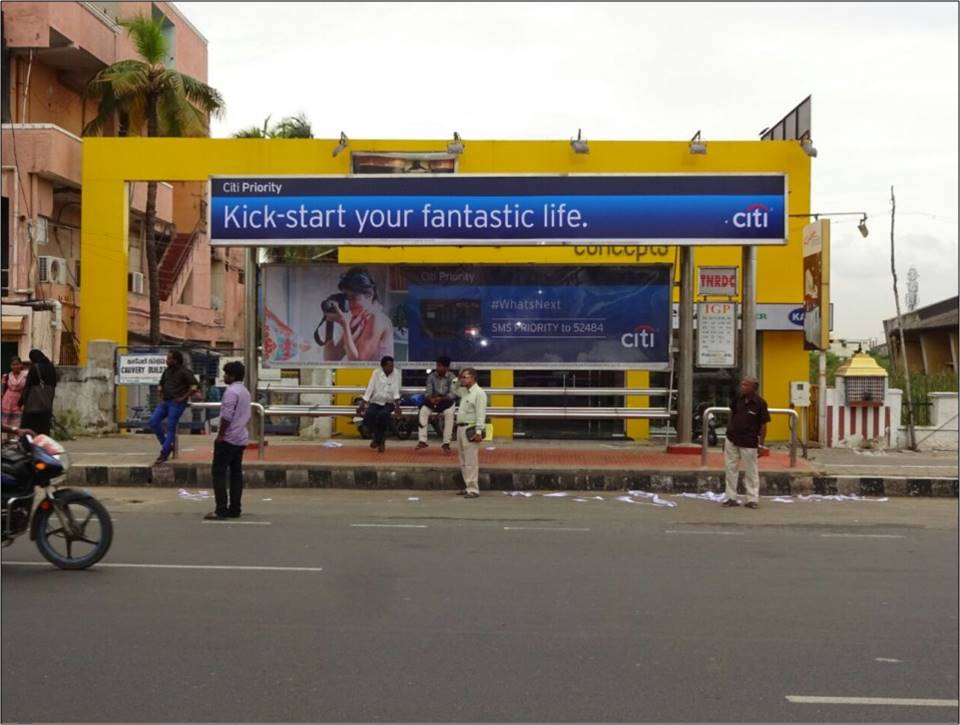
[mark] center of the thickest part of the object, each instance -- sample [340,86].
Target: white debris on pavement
[556,494]
[266,499]
[653,499]
[201,495]
[413,498]
[524,494]
[332,444]
[706,496]
[490,448]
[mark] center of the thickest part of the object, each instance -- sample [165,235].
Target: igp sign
[141,369]
[718,280]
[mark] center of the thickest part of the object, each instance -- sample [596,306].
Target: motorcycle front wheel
[77,540]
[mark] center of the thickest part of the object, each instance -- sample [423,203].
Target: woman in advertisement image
[355,325]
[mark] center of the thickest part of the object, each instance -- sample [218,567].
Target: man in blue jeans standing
[230,444]
[177,384]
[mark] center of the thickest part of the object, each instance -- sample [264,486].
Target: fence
[790,412]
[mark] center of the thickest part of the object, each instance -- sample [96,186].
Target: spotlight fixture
[456,146]
[807,145]
[696,145]
[862,227]
[344,142]
[579,144]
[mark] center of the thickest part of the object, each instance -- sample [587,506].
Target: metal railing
[359,389]
[790,412]
[261,425]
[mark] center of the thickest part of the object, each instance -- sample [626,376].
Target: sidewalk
[512,465]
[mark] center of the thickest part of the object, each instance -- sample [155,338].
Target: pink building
[50,51]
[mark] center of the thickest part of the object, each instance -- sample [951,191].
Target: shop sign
[141,369]
[716,335]
[479,210]
[718,280]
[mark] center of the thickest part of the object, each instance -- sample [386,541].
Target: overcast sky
[883,78]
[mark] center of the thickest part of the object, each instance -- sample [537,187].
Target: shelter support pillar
[685,375]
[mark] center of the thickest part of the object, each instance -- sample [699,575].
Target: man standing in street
[439,398]
[177,384]
[471,418]
[746,432]
[230,443]
[381,399]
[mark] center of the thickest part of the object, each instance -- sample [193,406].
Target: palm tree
[144,94]
[297,126]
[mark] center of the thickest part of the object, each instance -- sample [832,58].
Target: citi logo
[756,216]
[643,336]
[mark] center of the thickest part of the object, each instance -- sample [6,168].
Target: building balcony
[75,38]
[57,155]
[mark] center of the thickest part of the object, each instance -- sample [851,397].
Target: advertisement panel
[429,208]
[519,316]
[816,280]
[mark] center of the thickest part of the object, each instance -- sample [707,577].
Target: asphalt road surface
[422,606]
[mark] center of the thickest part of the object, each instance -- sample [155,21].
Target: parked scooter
[72,529]
[712,438]
[404,426]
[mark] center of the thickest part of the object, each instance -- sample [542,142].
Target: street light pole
[685,378]
[749,315]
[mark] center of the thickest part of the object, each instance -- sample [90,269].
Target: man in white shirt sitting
[381,399]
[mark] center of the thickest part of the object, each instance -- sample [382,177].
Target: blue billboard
[462,209]
[514,316]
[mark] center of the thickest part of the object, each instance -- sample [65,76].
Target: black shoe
[421,444]
[214,516]
[162,458]
[753,505]
[446,447]
[730,502]
[373,444]
[232,515]
[381,447]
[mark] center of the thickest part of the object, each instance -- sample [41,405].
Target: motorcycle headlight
[64,460]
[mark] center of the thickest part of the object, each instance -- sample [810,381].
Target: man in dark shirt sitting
[177,384]
[746,432]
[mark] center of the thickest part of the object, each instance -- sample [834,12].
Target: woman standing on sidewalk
[13,384]
[37,399]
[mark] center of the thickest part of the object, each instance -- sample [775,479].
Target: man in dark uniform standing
[746,432]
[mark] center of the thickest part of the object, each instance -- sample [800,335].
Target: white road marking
[887,659]
[862,536]
[896,478]
[540,528]
[237,523]
[705,533]
[389,526]
[212,567]
[902,701]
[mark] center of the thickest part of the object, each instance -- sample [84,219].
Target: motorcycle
[404,425]
[71,528]
[712,438]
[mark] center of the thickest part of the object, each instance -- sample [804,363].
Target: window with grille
[865,391]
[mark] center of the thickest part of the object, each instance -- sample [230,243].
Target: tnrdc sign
[718,280]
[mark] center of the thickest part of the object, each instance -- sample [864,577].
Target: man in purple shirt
[230,444]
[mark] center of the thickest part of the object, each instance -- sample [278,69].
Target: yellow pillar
[784,359]
[636,428]
[103,258]
[502,427]
[349,377]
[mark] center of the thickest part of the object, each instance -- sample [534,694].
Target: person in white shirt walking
[380,401]
[471,418]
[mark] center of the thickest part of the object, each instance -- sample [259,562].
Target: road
[325,605]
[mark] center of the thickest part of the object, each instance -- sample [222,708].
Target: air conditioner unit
[135,283]
[53,269]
